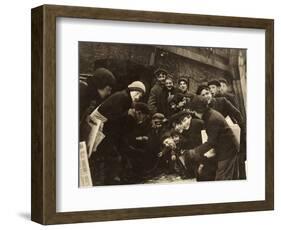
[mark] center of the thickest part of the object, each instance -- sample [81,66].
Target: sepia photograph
[151,114]
[174,109]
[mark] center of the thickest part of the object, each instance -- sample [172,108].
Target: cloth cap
[140,106]
[176,118]
[160,70]
[223,81]
[199,104]
[158,116]
[101,78]
[214,82]
[137,86]
[183,79]
[200,88]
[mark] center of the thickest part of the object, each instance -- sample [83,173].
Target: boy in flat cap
[155,92]
[214,87]
[190,130]
[157,129]
[221,104]
[166,96]
[182,86]
[134,141]
[225,93]
[220,138]
[216,91]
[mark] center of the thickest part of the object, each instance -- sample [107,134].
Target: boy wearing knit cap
[105,133]
[137,90]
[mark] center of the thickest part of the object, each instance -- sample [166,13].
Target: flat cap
[214,82]
[160,70]
[200,88]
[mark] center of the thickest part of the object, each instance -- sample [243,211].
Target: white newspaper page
[85,179]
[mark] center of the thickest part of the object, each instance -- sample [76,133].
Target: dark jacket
[188,94]
[229,96]
[177,104]
[116,105]
[163,106]
[154,97]
[222,105]
[220,137]
[191,138]
[114,109]
[89,99]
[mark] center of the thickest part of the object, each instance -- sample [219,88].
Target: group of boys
[130,141]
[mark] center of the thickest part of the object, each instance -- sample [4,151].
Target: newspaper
[235,129]
[96,135]
[211,152]
[85,179]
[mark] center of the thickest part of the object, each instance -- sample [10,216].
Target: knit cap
[137,86]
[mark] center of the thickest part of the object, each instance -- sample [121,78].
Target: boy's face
[141,117]
[161,77]
[136,95]
[207,94]
[214,89]
[183,86]
[223,87]
[176,138]
[156,123]
[169,142]
[105,92]
[169,84]
[184,124]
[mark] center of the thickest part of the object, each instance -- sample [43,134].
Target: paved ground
[163,178]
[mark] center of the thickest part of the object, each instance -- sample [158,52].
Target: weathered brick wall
[198,73]
[90,52]
[93,55]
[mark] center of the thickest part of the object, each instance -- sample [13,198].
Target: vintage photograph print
[161,114]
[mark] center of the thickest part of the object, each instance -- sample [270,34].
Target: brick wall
[91,52]
[197,72]
[125,60]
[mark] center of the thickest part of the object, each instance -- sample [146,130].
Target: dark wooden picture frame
[43,188]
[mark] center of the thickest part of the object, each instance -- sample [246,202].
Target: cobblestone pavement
[171,178]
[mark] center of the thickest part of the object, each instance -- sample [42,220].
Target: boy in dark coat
[190,137]
[96,90]
[221,104]
[182,86]
[134,143]
[220,138]
[155,92]
[215,88]
[224,91]
[91,95]
[107,120]
[166,97]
